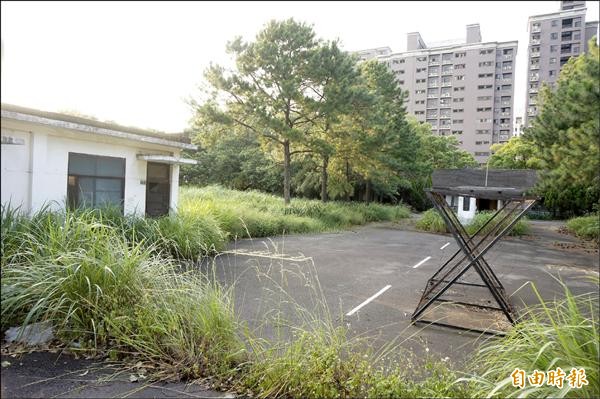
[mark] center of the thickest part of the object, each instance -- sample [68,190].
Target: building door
[158,189]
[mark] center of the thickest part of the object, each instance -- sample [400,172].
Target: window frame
[76,204]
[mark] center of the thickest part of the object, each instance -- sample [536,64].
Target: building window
[486,75]
[459,66]
[554,36]
[460,55]
[481,154]
[459,88]
[458,121]
[419,91]
[555,22]
[421,70]
[460,77]
[421,58]
[482,87]
[457,110]
[486,63]
[553,48]
[401,82]
[95,181]
[552,73]
[466,204]
[484,98]
[458,100]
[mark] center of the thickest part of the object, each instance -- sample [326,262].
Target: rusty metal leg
[441,281]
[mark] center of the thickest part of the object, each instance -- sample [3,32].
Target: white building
[58,160]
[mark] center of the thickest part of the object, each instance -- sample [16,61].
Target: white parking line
[421,262]
[356,309]
[445,245]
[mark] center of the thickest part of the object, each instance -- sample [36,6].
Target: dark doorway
[158,189]
[486,204]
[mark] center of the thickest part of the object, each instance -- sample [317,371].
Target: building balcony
[433,63]
[507,57]
[503,137]
[531,113]
[533,90]
[534,78]
[535,41]
[505,103]
[449,72]
[534,67]
[447,84]
[504,125]
[504,113]
[445,116]
[432,96]
[507,68]
[446,95]
[433,74]
[536,29]
[535,54]
[432,106]
[532,101]
[434,86]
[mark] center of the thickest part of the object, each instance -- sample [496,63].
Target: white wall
[35,174]
[466,216]
[16,169]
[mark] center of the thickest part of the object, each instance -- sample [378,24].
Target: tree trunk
[347,179]
[286,172]
[324,177]
[368,191]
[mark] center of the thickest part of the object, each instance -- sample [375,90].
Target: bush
[587,227]
[433,222]
[561,333]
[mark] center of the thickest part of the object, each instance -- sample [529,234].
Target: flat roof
[178,140]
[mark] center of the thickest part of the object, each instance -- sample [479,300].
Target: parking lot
[372,277]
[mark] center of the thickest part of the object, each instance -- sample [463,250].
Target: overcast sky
[136,63]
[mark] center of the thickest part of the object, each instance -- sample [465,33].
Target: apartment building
[553,39]
[464,89]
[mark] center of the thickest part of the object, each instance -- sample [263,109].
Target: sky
[136,63]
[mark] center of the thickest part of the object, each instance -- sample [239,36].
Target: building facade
[56,160]
[463,89]
[553,39]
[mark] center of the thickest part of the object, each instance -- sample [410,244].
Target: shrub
[431,221]
[587,227]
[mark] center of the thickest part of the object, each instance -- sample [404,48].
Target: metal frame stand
[473,248]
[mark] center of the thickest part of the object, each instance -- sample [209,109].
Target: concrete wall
[35,173]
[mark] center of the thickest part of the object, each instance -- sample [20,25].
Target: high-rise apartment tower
[553,39]
[464,89]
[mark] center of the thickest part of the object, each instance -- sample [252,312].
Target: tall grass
[105,292]
[562,333]
[587,227]
[433,222]
[255,214]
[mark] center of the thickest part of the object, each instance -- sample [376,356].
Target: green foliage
[433,222]
[235,161]
[481,218]
[255,214]
[562,333]
[587,227]
[566,134]
[517,153]
[104,293]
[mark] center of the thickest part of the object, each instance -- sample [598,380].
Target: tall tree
[567,132]
[275,90]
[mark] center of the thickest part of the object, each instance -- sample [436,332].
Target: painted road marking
[421,262]
[356,309]
[445,245]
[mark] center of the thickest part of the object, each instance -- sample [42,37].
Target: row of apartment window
[564,36]
[566,23]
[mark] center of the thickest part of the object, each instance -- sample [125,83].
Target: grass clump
[562,333]
[587,227]
[432,221]
[106,293]
[254,214]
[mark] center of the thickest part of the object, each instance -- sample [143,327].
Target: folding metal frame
[473,248]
